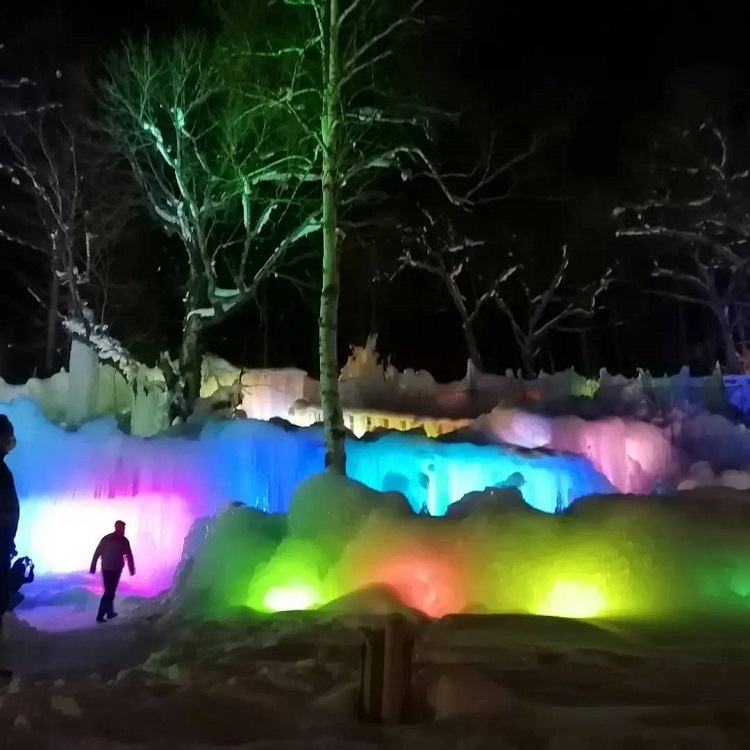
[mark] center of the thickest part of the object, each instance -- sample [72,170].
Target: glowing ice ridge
[73,485]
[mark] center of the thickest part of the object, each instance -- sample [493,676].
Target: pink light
[60,535]
[633,455]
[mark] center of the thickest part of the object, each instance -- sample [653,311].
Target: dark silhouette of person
[9,512]
[21,573]
[113,549]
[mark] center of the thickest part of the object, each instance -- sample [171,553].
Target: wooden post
[386,671]
[397,669]
[371,684]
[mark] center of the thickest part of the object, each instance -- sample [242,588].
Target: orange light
[428,584]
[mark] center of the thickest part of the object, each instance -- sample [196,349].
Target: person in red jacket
[113,549]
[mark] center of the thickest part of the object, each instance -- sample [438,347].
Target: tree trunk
[731,359]
[330,400]
[470,338]
[53,311]
[189,384]
[527,359]
[472,345]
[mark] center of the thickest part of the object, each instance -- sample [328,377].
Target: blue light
[71,482]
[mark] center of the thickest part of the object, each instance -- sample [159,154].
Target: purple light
[60,535]
[73,485]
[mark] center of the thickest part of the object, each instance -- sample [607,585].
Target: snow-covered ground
[155,679]
[151,680]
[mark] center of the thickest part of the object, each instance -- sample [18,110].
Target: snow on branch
[58,206]
[549,308]
[437,247]
[19,85]
[698,197]
[697,211]
[218,165]
[107,348]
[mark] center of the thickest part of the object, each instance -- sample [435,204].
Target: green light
[292,598]
[290,580]
[573,599]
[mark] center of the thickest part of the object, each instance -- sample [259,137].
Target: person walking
[9,512]
[114,549]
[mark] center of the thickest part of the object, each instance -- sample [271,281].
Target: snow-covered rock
[466,692]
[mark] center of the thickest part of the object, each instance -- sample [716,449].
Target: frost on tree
[546,300]
[349,94]
[444,240]
[68,204]
[436,246]
[222,167]
[343,55]
[694,214]
[533,300]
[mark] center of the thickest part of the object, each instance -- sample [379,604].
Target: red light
[430,585]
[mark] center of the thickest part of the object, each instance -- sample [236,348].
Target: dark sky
[613,60]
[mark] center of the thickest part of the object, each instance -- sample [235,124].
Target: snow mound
[329,505]
[465,692]
[607,557]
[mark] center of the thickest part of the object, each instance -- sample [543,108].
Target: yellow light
[573,599]
[292,598]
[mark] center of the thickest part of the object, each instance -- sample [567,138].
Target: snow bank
[605,557]
[713,438]
[74,484]
[703,475]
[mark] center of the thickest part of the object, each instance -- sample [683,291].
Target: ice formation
[367,383]
[605,557]
[634,456]
[61,399]
[74,484]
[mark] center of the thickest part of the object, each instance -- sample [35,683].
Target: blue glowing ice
[73,484]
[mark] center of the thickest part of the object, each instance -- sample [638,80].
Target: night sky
[602,69]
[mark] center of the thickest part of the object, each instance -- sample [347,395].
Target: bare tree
[547,306]
[437,247]
[337,77]
[535,300]
[12,105]
[347,97]
[336,54]
[71,206]
[220,170]
[697,212]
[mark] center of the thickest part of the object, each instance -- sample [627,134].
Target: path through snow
[65,642]
[290,682]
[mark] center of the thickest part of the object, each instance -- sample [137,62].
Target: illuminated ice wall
[684,556]
[74,485]
[634,456]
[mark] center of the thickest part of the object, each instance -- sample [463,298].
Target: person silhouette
[113,550]
[9,512]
